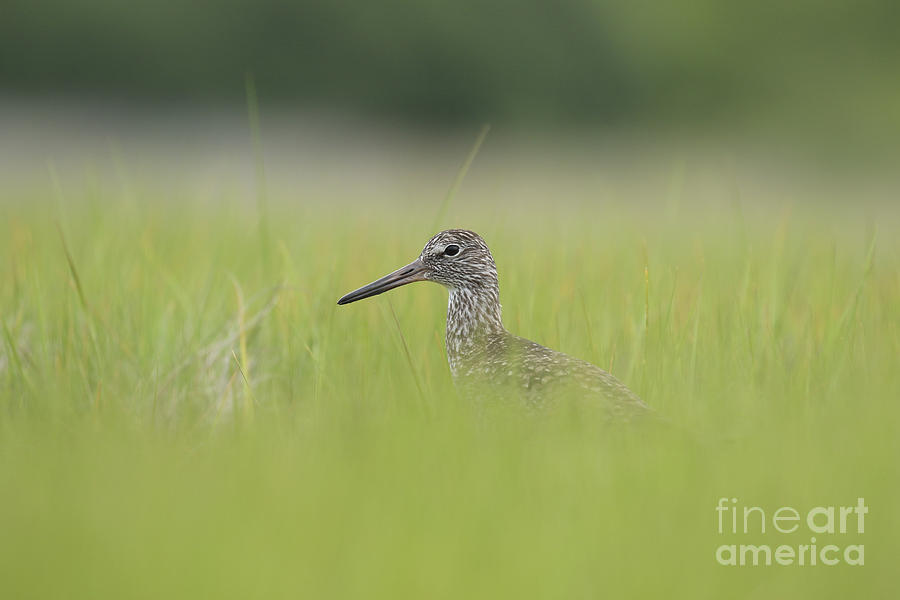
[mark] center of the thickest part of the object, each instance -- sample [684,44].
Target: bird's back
[512,367]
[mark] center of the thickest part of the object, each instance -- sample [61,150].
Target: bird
[486,360]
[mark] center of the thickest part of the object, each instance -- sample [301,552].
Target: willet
[485,359]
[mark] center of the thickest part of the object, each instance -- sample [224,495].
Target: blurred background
[815,79]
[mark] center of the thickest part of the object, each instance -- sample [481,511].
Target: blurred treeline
[822,61]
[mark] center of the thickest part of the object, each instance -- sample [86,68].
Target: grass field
[185,412]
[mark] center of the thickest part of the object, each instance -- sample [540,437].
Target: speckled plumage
[485,359]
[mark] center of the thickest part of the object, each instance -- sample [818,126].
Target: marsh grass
[185,412]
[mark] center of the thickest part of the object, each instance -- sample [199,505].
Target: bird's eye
[451,250]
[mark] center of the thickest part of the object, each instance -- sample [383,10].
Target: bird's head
[456,258]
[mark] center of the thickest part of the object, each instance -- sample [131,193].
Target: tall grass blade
[406,352]
[259,164]
[460,175]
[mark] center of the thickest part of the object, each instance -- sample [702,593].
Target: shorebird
[485,359]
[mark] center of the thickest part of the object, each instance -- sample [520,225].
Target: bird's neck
[473,316]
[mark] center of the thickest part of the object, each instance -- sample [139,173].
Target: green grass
[185,412]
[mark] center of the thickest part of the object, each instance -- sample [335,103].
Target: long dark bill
[414,271]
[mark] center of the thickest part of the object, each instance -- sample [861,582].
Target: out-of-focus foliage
[186,413]
[829,63]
